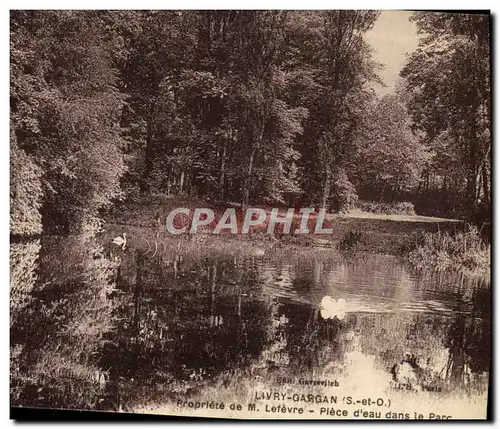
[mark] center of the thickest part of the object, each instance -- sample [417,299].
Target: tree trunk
[169,187]
[473,167]
[148,153]
[326,188]
[181,182]
[248,180]
[486,190]
[471,191]
[478,186]
[138,293]
[222,176]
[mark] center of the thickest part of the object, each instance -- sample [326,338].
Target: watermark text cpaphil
[305,220]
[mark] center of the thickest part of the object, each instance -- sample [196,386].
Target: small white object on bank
[121,241]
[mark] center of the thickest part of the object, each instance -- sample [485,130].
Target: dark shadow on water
[97,329]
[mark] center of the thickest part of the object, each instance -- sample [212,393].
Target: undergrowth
[464,251]
[395,208]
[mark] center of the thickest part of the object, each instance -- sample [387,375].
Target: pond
[170,331]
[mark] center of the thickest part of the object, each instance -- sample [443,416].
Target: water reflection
[105,329]
[56,337]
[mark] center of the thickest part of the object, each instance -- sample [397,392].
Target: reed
[464,251]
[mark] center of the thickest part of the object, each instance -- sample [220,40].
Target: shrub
[350,241]
[395,208]
[464,251]
[25,193]
[344,193]
[23,264]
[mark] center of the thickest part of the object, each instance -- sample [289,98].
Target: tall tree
[65,110]
[390,157]
[449,79]
[333,80]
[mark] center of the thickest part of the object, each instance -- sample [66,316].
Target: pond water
[134,330]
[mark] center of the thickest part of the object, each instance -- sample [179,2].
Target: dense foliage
[66,110]
[448,80]
[464,252]
[242,106]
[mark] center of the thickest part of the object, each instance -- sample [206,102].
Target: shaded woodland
[253,107]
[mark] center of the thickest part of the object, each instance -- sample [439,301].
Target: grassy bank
[464,251]
[357,230]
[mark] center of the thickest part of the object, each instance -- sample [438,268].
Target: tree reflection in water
[101,333]
[56,339]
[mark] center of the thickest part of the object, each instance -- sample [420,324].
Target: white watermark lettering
[285,220]
[198,221]
[191,221]
[305,212]
[229,214]
[248,222]
[170,220]
[319,223]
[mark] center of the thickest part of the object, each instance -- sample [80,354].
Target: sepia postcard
[251,214]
